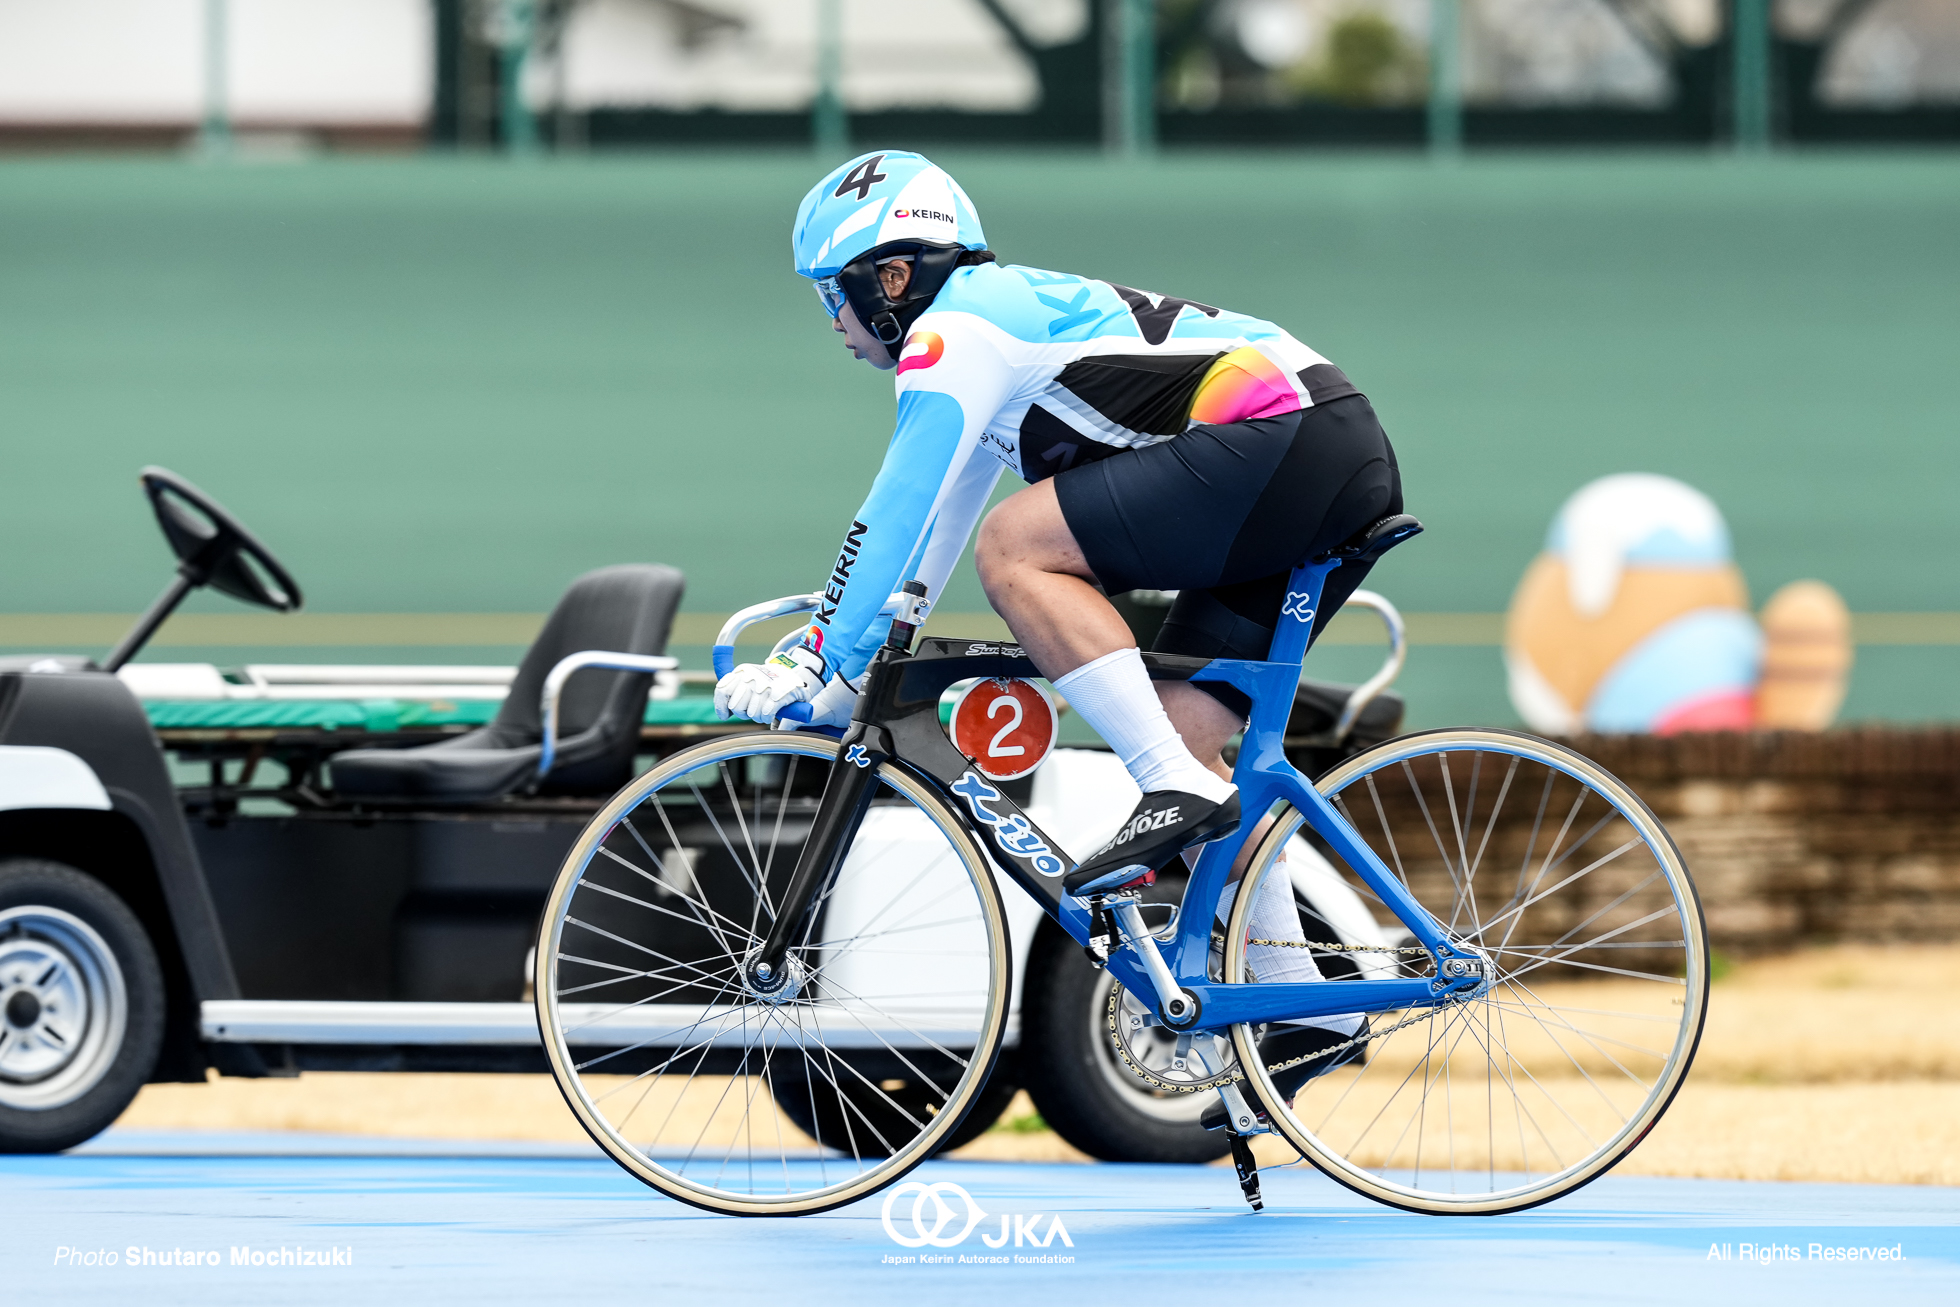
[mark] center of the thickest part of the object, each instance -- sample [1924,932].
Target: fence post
[1130,77]
[830,130]
[1749,33]
[517,30]
[1445,79]
[214,132]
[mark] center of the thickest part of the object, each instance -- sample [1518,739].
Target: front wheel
[1592,940]
[824,1089]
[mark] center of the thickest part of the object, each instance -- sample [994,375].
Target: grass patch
[1029,1123]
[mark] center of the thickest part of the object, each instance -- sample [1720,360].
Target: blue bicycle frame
[1265,777]
[897,721]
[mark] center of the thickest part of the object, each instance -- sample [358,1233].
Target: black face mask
[890,319]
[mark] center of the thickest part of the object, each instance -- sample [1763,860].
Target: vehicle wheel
[1072,1072]
[81,1006]
[675,1063]
[1588,930]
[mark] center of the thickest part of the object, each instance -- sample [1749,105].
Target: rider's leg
[1037,579]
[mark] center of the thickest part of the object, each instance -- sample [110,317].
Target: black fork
[846,797]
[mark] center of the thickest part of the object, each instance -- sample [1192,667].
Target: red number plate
[1006,727]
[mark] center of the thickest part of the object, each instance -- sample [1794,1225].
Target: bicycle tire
[960,1050]
[1601,1039]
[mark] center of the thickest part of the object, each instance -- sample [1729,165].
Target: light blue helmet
[893,196]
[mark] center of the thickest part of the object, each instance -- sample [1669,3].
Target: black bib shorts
[1223,514]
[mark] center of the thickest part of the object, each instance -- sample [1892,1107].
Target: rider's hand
[759,691]
[833,707]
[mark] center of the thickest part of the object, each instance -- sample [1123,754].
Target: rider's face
[860,340]
[896,274]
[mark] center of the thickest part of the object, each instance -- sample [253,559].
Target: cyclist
[1167,444]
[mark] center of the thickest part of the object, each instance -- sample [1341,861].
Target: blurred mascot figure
[1636,619]
[1806,658]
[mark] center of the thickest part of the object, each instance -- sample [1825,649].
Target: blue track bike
[773,974]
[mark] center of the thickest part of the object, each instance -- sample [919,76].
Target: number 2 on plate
[995,749]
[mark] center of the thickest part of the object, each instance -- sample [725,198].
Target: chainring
[1140,1044]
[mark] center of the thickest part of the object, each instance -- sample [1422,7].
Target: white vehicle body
[1079,797]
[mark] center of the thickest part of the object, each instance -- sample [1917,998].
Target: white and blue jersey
[1037,372]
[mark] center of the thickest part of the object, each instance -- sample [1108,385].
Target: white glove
[758,691]
[833,707]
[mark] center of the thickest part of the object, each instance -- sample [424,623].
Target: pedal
[1232,1112]
[1248,1170]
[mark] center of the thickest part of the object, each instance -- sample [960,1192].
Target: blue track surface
[438,1222]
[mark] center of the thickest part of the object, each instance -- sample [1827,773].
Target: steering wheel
[212,547]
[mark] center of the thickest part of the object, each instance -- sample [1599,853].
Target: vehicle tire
[1070,1068]
[81,1006]
[822,1116]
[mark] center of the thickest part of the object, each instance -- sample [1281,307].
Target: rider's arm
[946,537]
[927,496]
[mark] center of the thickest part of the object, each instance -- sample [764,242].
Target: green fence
[448,386]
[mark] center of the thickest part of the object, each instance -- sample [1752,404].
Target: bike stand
[1248,1169]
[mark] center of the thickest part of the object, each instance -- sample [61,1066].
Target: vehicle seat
[624,609]
[1318,705]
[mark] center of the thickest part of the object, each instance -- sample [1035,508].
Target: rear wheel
[1591,936]
[824,1090]
[81,1007]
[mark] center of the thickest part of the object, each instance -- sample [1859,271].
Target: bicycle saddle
[1376,539]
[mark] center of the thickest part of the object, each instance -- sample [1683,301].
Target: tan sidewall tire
[545,982]
[1695,1010]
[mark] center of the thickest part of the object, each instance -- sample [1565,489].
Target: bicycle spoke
[1599,941]
[923,1039]
[761,904]
[641,903]
[782,808]
[1496,808]
[742,823]
[1525,1009]
[1552,1029]
[710,920]
[1586,870]
[1388,836]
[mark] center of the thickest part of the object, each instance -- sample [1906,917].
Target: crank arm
[1176,1007]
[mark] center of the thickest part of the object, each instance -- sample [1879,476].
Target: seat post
[1270,712]
[1309,580]
[1296,615]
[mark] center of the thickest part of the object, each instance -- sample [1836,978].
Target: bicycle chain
[1224,1078]
[1148,1077]
[1338,948]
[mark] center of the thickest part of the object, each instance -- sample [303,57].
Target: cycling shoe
[1164,823]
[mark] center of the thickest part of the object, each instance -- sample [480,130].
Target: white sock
[1115,696]
[1273,916]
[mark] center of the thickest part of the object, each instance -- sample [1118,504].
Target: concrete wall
[1849,835]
